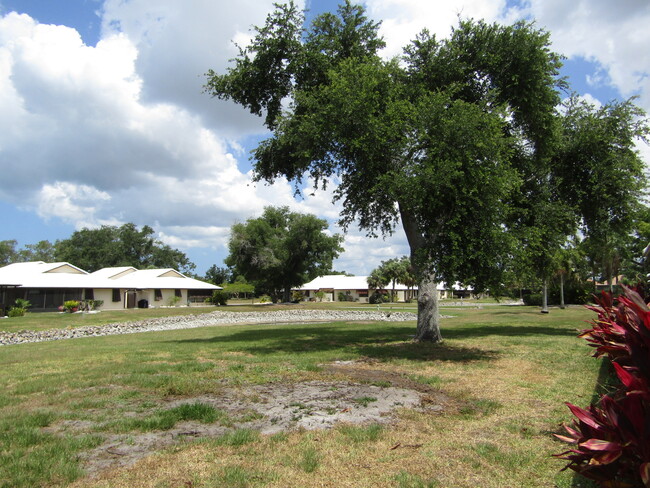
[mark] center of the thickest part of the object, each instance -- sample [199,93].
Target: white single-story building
[356,289]
[48,285]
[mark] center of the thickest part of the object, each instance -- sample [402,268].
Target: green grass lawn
[58,320]
[508,371]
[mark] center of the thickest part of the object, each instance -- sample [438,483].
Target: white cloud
[121,132]
[615,37]
[74,204]
[177,43]
[403,19]
[363,254]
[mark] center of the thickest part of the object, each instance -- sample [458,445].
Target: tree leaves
[281,250]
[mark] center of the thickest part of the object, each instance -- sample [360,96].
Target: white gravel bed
[204,320]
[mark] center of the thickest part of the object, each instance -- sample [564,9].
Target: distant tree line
[106,246]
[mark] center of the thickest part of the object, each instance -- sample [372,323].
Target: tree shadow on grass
[507,330]
[380,343]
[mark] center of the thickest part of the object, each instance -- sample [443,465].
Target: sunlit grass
[506,370]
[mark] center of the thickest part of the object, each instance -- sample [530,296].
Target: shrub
[71,305]
[297,296]
[219,297]
[265,299]
[16,311]
[533,299]
[611,440]
[345,297]
[91,304]
[22,303]
[377,298]
[575,292]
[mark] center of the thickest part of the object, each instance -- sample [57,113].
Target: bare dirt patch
[362,395]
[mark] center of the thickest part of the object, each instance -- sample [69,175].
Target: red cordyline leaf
[584,416]
[644,470]
[606,458]
[634,297]
[632,408]
[574,433]
[627,378]
[564,438]
[605,300]
[601,445]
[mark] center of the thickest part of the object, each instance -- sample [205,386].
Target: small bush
[16,312]
[92,304]
[265,299]
[345,297]
[71,305]
[219,297]
[533,299]
[22,303]
[377,298]
[297,296]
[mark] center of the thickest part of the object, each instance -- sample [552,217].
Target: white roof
[64,275]
[161,278]
[342,282]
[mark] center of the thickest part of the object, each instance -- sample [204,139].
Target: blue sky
[102,119]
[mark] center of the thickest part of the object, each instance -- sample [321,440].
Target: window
[89,294]
[116,295]
[178,293]
[157,294]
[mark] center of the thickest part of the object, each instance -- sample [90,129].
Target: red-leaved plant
[611,440]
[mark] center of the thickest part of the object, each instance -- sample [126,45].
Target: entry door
[130,299]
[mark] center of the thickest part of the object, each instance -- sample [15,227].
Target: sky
[103,119]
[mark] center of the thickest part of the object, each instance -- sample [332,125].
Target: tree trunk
[428,329]
[545,296]
[610,284]
[562,291]
[428,317]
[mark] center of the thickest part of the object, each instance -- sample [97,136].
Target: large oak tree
[281,250]
[440,140]
[109,246]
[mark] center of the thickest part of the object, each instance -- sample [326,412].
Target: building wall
[149,295]
[107,297]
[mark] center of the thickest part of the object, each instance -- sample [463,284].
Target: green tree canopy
[41,251]
[109,246]
[217,275]
[8,253]
[392,271]
[281,250]
[602,175]
[439,140]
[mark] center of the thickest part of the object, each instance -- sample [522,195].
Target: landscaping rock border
[211,319]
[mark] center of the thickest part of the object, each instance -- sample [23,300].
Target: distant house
[48,285]
[356,289]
